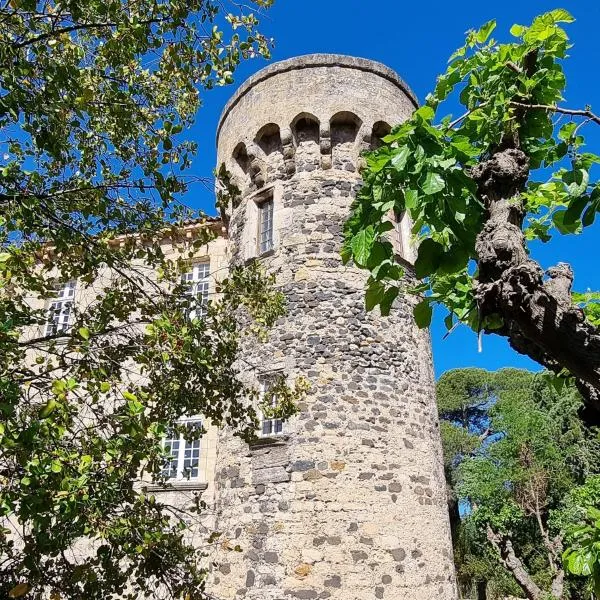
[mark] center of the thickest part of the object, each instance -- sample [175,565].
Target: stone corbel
[325,145]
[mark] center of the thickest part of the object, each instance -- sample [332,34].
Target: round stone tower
[346,500]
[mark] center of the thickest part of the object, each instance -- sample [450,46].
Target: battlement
[315,112]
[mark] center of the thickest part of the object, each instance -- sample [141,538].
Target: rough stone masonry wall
[349,503]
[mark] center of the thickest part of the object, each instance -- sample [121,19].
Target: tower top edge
[309,61]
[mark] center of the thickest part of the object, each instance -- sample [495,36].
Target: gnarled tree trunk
[539,318]
[513,564]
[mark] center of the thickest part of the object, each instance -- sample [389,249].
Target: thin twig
[557,109]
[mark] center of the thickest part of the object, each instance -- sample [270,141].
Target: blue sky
[416,39]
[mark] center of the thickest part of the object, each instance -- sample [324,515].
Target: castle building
[346,500]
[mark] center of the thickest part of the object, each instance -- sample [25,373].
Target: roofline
[310,61]
[188,227]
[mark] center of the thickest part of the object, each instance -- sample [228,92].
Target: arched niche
[380,130]
[241,165]
[268,139]
[305,130]
[344,128]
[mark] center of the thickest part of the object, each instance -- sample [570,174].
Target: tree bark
[453,511]
[558,584]
[539,318]
[512,562]
[482,590]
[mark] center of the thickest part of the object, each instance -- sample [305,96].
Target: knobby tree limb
[503,545]
[540,319]
[513,564]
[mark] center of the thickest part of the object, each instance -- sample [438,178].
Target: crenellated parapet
[280,151]
[263,137]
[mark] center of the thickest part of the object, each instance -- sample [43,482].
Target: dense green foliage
[479,187]
[518,477]
[94,96]
[580,519]
[423,168]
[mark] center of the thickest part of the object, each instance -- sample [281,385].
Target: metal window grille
[265,226]
[269,427]
[183,462]
[60,309]
[196,281]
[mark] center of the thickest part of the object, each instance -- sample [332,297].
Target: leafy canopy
[95,98]
[424,169]
[518,479]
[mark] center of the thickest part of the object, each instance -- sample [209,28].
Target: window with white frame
[183,461]
[268,426]
[196,281]
[60,309]
[265,225]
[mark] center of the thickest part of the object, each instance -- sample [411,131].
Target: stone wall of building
[349,501]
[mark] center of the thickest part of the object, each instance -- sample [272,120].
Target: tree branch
[539,317]
[512,562]
[557,109]
[56,32]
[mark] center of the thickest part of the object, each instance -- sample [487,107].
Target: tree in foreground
[518,479]
[478,188]
[94,95]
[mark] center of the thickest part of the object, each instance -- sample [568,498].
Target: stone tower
[347,500]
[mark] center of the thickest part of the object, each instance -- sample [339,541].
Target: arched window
[305,129]
[344,129]
[380,130]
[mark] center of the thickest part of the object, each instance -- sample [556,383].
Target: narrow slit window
[197,281]
[265,226]
[60,309]
[268,426]
[183,460]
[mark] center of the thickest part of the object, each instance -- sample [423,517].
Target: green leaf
[449,321]
[50,407]
[433,183]
[411,198]
[429,257]
[400,157]
[426,113]
[578,563]
[59,386]
[560,15]
[517,30]
[374,295]
[564,226]
[388,299]
[566,131]
[361,245]
[84,332]
[129,396]
[588,216]
[423,313]
[485,31]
